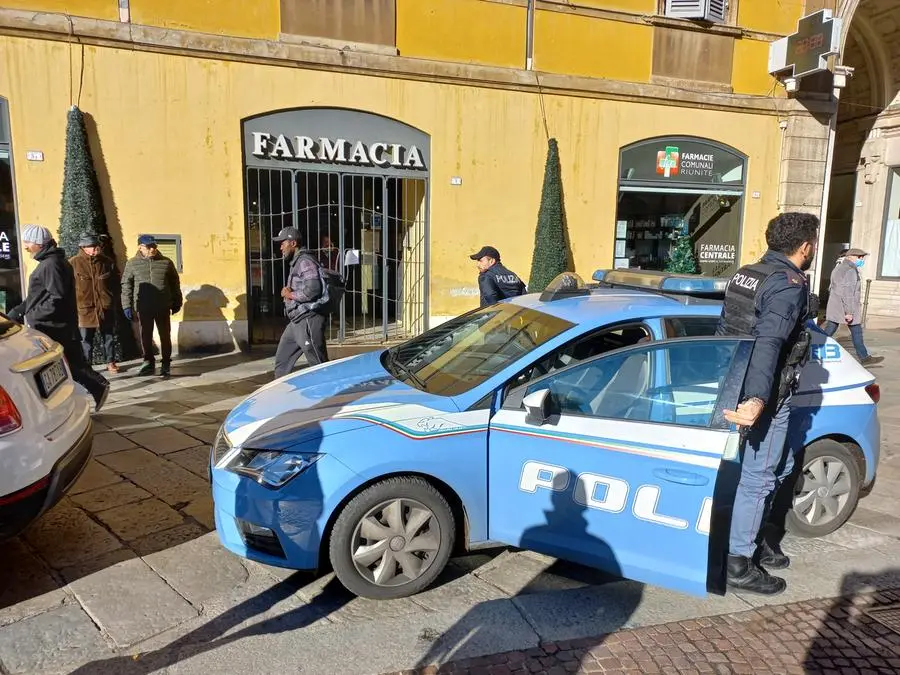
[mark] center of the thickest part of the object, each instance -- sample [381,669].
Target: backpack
[333,288]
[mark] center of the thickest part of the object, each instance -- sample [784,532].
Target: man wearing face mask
[770,302]
[844,306]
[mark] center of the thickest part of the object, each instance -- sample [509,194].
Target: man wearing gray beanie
[50,307]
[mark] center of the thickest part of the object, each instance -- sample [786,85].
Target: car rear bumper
[24,506]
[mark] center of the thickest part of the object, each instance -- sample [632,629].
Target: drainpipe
[823,213]
[529,37]
[866,303]
[124,11]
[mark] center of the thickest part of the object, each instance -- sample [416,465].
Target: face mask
[860,263]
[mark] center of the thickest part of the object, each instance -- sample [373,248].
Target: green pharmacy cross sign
[805,52]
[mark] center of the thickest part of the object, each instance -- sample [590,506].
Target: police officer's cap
[488,251]
[288,233]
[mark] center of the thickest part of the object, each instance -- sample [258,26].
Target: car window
[585,347]
[691,326]
[464,352]
[668,383]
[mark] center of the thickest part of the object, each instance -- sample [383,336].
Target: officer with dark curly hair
[769,301]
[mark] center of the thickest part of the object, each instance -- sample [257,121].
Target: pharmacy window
[890,240]
[680,206]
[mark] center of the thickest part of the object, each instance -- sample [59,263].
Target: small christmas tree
[549,259]
[81,206]
[681,260]
[81,213]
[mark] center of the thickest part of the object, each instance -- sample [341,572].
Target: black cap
[286,233]
[488,251]
[88,240]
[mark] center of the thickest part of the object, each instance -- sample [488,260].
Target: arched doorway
[676,186]
[356,186]
[864,199]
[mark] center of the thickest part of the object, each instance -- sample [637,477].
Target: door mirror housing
[537,407]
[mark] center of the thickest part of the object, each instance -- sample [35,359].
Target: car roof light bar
[663,282]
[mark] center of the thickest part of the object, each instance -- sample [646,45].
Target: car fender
[455,457]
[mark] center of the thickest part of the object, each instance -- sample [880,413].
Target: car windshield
[464,352]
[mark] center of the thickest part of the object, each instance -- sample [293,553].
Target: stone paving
[125,574]
[857,634]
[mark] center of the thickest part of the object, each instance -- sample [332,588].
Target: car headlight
[271,468]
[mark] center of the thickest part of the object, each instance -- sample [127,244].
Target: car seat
[625,388]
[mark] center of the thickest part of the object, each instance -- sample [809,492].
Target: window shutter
[706,10]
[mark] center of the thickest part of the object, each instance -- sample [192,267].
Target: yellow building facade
[400,136]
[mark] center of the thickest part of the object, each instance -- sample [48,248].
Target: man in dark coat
[495,282]
[151,292]
[305,334]
[50,307]
[96,288]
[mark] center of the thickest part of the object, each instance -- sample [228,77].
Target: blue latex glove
[129,314]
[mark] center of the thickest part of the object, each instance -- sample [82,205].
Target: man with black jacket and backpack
[50,307]
[304,296]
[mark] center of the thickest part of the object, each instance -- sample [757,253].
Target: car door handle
[682,477]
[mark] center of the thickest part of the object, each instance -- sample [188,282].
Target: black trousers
[107,332]
[306,337]
[162,319]
[82,373]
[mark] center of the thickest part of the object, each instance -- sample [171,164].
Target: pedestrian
[96,291]
[50,307]
[151,293]
[495,282]
[770,302]
[844,305]
[302,294]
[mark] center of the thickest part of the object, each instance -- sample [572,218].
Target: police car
[585,423]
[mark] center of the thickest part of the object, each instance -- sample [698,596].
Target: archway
[866,164]
[356,186]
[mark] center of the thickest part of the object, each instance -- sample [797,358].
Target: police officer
[305,334]
[495,282]
[769,301]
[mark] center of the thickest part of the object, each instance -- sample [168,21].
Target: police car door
[613,462]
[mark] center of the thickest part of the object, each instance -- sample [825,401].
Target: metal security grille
[370,228]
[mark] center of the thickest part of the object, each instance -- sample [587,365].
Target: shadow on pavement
[475,633]
[849,637]
[212,635]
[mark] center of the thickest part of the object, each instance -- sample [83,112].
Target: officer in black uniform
[769,301]
[495,282]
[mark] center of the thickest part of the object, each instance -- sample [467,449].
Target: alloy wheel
[824,491]
[395,542]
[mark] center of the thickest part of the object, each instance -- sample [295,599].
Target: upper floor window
[714,11]
[368,22]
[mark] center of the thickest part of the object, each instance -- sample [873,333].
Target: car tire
[827,490]
[393,539]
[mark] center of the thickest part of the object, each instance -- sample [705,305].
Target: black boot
[744,575]
[149,368]
[772,557]
[165,370]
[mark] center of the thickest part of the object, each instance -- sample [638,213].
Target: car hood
[325,399]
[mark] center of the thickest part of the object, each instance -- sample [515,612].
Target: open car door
[615,462]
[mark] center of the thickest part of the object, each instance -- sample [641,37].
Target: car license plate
[50,377]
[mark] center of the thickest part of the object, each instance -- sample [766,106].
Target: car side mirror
[537,407]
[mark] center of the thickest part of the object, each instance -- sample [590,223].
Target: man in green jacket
[151,292]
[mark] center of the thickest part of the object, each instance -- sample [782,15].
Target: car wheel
[393,539]
[827,490]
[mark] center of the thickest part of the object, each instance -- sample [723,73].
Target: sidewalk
[842,636]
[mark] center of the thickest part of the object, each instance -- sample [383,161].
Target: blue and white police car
[585,423]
